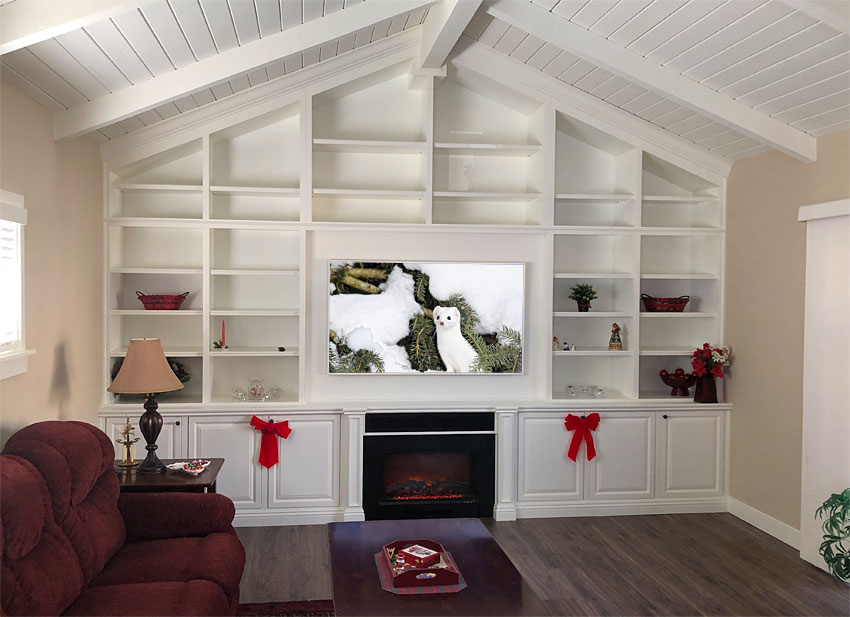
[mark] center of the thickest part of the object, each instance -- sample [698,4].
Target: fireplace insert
[430,465]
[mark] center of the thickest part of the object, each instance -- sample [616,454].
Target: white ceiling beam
[656,78]
[446,22]
[834,13]
[148,94]
[27,22]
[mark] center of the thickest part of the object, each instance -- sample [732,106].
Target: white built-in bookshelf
[228,217]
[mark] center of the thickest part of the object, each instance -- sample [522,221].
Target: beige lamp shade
[145,370]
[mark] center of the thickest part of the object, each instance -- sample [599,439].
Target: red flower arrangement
[710,359]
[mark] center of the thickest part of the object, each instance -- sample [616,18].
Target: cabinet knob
[664,416]
[177,423]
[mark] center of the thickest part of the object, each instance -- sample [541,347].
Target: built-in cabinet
[653,456]
[230,212]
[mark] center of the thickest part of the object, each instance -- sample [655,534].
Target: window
[13,352]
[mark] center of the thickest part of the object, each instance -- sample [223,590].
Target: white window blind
[12,219]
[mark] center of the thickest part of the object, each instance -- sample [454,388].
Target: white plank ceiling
[167,35]
[765,53]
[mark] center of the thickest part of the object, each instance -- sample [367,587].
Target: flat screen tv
[425,318]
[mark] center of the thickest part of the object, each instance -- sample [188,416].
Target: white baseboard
[765,522]
[272,518]
[504,512]
[542,509]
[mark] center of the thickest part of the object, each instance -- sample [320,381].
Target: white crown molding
[570,100]
[261,99]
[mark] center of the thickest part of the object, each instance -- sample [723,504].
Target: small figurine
[129,459]
[615,343]
[556,344]
[566,346]
[572,346]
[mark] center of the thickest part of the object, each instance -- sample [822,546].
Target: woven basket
[664,305]
[162,302]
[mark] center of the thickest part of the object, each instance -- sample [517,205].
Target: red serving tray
[422,577]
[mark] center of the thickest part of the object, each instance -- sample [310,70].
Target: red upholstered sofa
[72,546]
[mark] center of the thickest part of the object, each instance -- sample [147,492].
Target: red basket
[664,305]
[162,302]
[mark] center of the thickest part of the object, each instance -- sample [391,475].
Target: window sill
[14,362]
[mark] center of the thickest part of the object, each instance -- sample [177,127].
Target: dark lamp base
[150,425]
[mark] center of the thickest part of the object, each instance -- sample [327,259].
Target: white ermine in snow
[457,354]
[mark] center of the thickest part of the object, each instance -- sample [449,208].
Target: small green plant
[835,548]
[583,293]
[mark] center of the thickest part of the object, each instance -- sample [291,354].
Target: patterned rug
[309,608]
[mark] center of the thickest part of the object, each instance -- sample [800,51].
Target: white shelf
[156,271]
[368,193]
[674,315]
[170,188]
[593,352]
[600,199]
[680,199]
[255,313]
[593,275]
[155,313]
[606,314]
[479,149]
[257,352]
[171,352]
[255,272]
[684,276]
[257,190]
[477,196]
[369,146]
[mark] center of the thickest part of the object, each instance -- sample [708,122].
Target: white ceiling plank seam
[149,94]
[660,79]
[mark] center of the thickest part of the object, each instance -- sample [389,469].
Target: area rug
[308,608]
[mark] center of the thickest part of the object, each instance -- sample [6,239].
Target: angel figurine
[615,343]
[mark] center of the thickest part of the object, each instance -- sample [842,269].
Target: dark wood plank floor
[683,564]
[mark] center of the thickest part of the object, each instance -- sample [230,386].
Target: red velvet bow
[582,427]
[268,446]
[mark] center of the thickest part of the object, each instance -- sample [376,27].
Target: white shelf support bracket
[657,78]
[354,427]
[446,22]
[506,447]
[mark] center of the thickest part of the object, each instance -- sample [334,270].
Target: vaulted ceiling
[734,77]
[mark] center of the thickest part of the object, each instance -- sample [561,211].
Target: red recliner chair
[71,545]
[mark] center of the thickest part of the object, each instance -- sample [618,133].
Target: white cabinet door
[307,473]
[235,440]
[545,472]
[625,452]
[171,442]
[691,454]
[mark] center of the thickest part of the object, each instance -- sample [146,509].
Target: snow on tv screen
[405,317]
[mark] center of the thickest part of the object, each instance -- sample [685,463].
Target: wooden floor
[683,564]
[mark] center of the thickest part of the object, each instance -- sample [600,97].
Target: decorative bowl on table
[679,380]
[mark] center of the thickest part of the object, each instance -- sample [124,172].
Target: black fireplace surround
[429,465]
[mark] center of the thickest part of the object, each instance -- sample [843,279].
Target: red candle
[222,334]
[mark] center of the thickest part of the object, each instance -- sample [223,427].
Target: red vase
[706,389]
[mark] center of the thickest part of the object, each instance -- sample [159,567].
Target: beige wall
[765,293]
[64,299]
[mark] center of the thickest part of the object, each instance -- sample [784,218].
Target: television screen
[405,317]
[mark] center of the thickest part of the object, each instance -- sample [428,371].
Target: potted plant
[708,363]
[583,293]
[835,548]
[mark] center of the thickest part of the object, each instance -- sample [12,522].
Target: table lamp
[146,371]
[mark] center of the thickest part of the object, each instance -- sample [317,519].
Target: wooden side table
[168,481]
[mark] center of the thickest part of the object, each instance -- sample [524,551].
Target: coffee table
[494,585]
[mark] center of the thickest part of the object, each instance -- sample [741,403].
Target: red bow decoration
[268,446]
[582,427]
